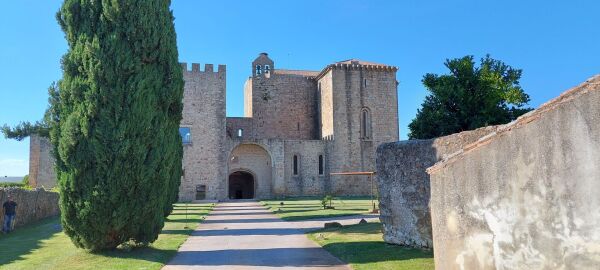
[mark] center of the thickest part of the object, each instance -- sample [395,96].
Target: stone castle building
[298,127]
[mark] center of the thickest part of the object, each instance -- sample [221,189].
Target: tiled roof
[306,73]
[360,62]
[317,74]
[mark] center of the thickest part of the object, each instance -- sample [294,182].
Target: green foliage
[469,97]
[114,121]
[24,130]
[326,201]
[12,184]
[25,180]
[303,208]
[362,246]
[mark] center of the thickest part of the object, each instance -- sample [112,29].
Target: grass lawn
[44,246]
[307,208]
[362,247]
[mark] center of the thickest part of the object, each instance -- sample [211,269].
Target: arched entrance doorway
[249,161]
[241,185]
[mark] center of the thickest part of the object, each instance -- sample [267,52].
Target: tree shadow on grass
[374,251]
[183,220]
[183,209]
[368,228]
[322,216]
[189,213]
[185,232]
[285,209]
[24,240]
[192,208]
[148,253]
[239,214]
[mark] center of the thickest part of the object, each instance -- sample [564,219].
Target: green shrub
[25,180]
[11,184]
[326,202]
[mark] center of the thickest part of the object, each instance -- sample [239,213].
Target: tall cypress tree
[114,121]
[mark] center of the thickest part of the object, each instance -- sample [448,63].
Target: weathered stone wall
[284,107]
[41,162]
[404,184]
[32,205]
[244,123]
[204,112]
[325,90]
[526,197]
[248,98]
[354,88]
[308,181]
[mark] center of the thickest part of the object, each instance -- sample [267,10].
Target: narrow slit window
[295,165]
[320,164]
[365,124]
[365,82]
[240,132]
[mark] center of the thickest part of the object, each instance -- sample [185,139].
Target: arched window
[267,69]
[321,168]
[365,124]
[240,132]
[295,165]
[258,70]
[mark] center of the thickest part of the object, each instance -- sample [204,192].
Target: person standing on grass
[9,214]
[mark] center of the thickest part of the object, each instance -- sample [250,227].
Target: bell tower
[262,66]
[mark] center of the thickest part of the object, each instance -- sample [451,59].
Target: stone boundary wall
[32,205]
[404,184]
[528,195]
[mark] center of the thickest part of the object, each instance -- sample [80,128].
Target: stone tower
[281,102]
[358,111]
[204,124]
[262,65]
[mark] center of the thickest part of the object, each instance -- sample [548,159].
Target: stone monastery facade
[298,127]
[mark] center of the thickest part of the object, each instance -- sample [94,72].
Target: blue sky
[556,43]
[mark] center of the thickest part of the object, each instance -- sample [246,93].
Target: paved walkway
[245,235]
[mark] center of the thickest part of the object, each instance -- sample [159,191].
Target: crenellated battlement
[356,65]
[208,68]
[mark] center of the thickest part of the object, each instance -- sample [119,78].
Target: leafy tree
[26,129]
[114,121]
[469,97]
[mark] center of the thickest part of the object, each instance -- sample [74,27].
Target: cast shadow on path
[273,257]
